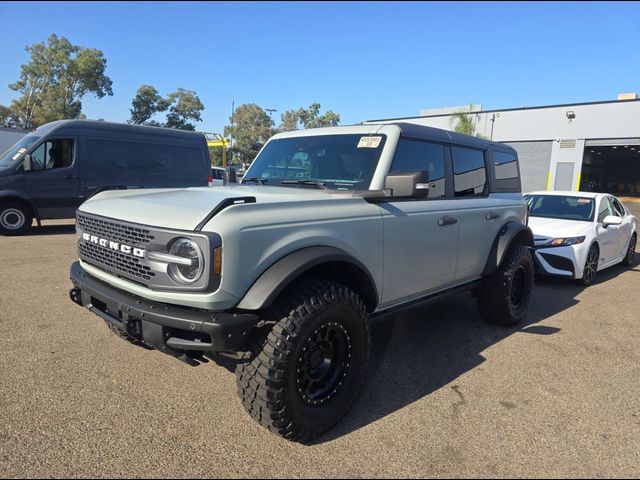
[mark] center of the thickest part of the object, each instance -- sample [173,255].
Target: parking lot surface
[446,395]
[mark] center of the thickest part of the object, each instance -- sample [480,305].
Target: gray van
[48,173]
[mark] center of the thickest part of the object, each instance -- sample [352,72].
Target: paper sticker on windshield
[584,200]
[369,142]
[18,153]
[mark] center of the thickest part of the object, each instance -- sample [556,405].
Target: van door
[53,181]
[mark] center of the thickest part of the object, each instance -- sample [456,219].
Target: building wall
[547,140]
[8,137]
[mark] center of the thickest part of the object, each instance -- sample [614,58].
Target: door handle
[447,220]
[492,216]
[71,177]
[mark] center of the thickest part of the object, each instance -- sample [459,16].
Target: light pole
[270,110]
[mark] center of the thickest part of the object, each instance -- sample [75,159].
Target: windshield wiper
[311,183]
[259,180]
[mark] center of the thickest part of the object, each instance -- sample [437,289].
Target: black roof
[113,127]
[423,132]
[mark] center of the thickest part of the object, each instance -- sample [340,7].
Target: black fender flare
[4,194]
[284,271]
[510,232]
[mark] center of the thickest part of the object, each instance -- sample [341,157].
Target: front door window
[55,153]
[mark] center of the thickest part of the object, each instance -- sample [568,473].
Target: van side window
[174,161]
[109,156]
[419,155]
[469,172]
[55,153]
[506,169]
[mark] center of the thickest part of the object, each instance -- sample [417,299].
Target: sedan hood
[185,208]
[548,228]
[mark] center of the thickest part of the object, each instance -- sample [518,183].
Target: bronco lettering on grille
[119,247]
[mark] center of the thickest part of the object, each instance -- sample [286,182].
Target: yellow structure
[217,140]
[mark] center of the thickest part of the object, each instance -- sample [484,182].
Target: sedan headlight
[564,242]
[189,269]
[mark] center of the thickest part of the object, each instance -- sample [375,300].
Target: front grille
[134,236]
[113,261]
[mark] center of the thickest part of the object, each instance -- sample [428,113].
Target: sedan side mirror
[611,220]
[26,162]
[408,184]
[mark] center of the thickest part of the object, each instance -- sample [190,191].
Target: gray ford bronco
[331,229]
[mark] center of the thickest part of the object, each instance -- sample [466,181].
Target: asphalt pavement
[446,395]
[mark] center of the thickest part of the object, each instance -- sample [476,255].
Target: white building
[582,146]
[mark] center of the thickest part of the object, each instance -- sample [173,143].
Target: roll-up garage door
[535,158]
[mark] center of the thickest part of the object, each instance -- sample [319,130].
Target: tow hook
[75,296]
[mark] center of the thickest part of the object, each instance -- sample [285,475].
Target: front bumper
[557,261]
[180,331]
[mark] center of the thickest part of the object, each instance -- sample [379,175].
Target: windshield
[342,162]
[14,154]
[562,207]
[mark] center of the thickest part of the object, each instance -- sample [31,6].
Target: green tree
[462,122]
[185,107]
[146,104]
[54,81]
[308,118]
[250,128]
[7,118]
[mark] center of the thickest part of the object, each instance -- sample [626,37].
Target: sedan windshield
[14,154]
[562,207]
[342,162]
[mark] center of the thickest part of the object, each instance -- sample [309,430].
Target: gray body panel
[405,251]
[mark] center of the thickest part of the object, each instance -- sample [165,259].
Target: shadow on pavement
[418,353]
[64,229]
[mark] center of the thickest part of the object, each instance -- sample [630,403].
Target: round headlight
[189,272]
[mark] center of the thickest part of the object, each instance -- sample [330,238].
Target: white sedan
[577,234]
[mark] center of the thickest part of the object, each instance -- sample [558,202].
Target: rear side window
[506,170]
[418,155]
[174,161]
[469,172]
[115,158]
[143,162]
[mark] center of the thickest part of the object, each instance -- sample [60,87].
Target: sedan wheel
[590,266]
[631,251]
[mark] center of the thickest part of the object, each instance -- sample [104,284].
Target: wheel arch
[325,262]
[511,233]
[15,196]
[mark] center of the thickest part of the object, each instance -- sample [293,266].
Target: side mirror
[26,162]
[408,184]
[611,220]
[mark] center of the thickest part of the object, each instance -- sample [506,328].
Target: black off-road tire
[15,218]
[631,251]
[268,375]
[504,296]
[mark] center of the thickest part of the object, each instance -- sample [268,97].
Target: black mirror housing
[408,184]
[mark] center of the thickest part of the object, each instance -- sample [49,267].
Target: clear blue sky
[363,60]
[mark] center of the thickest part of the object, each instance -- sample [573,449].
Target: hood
[184,209]
[545,229]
